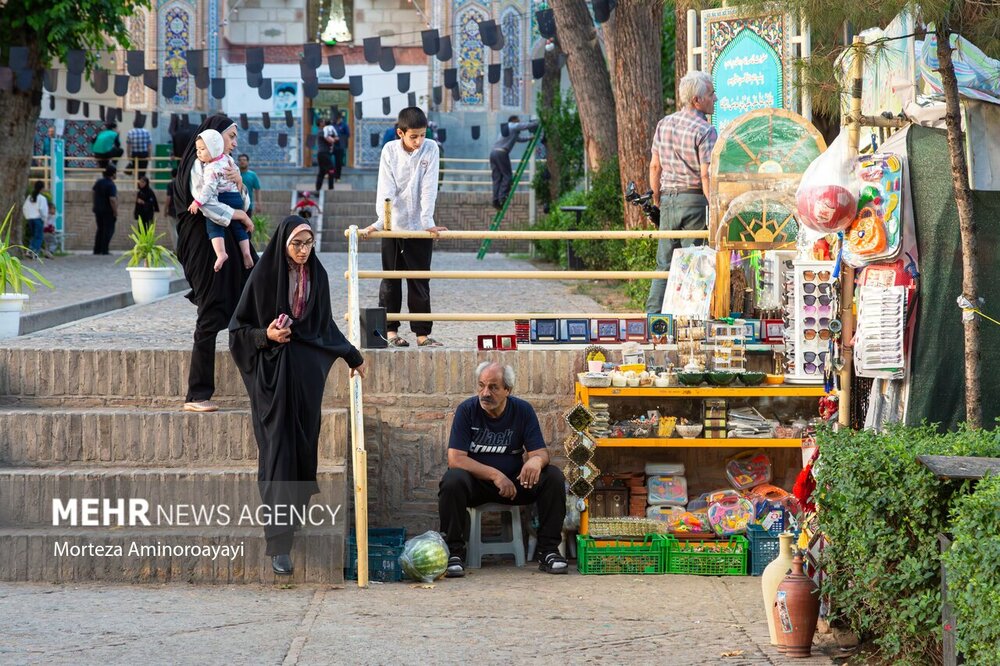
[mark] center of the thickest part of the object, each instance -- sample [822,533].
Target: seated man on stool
[496,453]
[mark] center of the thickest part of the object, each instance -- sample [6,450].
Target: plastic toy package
[730,516]
[748,469]
[671,490]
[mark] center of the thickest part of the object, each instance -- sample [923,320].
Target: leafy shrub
[973,564]
[557,220]
[881,512]
[604,211]
[561,125]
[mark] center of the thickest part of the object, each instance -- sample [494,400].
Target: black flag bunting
[387,59]
[431,42]
[501,41]
[73,83]
[538,68]
[475,132]
[218,88]
[437,94]
[50,80]
[154,119]
[24,78]
[546,21]
[135,63]
[169,87]
[411,99]
[99,81]
[252,137]
[337,68]
[373,49]
[441,135]
[18,58]
[493,73]
[254,79]
[310,88]
[289,121]
[386,106]
[72,105]
[357,110]
[52,102]
[306,71]
[403,82]
[244,123]
[150,79]
[374,139]
[139,120]
[86,110]
[265,120]
[450,78]
[102,112]
[255,60]
[488,32]
[479,84]
[444,53]
[264,90]
[121,84]
[313,54]
[76,61]
[202,79]
[508,77]
[456,93]
[194,60]
[282,139]
[356,85]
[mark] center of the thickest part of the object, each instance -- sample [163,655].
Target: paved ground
[169,323]
[499,615]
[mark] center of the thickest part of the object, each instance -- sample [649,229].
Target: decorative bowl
[752,378]
[688,431]
[775,379]
[690,378]
[595,379]
[721,378]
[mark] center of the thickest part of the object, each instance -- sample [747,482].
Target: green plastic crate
[385,545]
[707,557]
[610,556]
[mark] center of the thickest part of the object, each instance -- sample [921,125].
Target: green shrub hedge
[973,565]
[881,512]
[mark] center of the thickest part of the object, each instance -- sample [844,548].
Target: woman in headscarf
[284,341]
[215,293]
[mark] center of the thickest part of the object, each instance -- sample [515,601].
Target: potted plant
[149,264]
[14,278]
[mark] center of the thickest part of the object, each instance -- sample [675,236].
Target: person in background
[678,171]
[138,141]
[105,209]
[340,149]
[390,134]
[325,143]
[408,177]
[171,208]
[146,205]
[107,146]
[47,141]
[502,173]
[36,211]
[251,181]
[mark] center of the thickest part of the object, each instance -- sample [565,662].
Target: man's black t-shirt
[104,189]
[499,443]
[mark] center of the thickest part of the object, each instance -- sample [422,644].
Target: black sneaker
[553,563]
[455,567]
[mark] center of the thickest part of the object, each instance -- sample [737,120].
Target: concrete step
[29,492]
[341,209]
[135,436]
[63,555]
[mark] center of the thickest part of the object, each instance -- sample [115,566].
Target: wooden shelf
[766,391]
[698,442]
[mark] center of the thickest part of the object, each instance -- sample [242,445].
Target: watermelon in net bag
[425,557]
[827,196]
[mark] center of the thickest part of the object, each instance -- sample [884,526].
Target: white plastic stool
[509,544]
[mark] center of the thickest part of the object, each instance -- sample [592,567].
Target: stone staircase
[106,425]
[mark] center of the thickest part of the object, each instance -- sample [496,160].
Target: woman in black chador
[284,341]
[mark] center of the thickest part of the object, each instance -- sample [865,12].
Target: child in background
[219,189]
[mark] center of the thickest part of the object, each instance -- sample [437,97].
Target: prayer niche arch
[471,51]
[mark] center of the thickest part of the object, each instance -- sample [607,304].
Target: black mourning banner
[475,132]
[456,93]
[493,73]
[121,84]
[373,49]
[546,21]
[102,112]
[264,89]
[202,79]
[488,32]
[265,120]
[289,121]
[431,42]
[282,140]
[441,135]
[135,62]
[387,59]
[310,88]
[140,120]
[508,77]
[254,79]
[445,53]
[374,139]
[358,107]
[252,137]
[218,88]
[313,54]
[72,105]
[52,103]
[306,71]
[479,84]
[411,99]
[169,89]
[154,119]
[356,85]
[438,94]
[450,78]
[403,82]
[86,111]
[150,79]
[119,113]
[244,122]
[255,60]
[501,41]
[99,81]
[76,61]
[73,83]
[18,58]
[24,79]
[386,106]
[538,68]
[50,80]
[195,60]
[602,10]
[337,68]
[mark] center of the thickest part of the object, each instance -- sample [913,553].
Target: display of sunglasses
[811,333]
[824,276]
[824,322]
[811,300]
[810,287]
[811,356]
[812,368]
[824,310]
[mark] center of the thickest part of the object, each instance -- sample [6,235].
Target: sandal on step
[553,563]
[429,342]
[398,341]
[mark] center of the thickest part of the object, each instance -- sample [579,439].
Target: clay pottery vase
[796,610]
[771,578]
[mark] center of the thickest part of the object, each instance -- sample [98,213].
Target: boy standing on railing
[408,177]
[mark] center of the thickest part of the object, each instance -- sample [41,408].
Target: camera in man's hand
[644,201]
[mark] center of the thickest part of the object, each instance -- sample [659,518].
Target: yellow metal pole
[508,316]
[359,457]
[541,235]
[514,275]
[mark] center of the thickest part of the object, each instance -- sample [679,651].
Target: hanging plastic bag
[827,198]
[691,282]
[425,557]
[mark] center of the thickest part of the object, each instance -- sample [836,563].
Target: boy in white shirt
[408,177]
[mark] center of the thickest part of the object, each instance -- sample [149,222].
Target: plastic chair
[510,543]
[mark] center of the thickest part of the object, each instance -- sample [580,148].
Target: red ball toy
[826,208]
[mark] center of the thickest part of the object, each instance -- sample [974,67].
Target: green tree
[49,30]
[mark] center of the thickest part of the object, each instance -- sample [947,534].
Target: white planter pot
[149,284]
[10,314]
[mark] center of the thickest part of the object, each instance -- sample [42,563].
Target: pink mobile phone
[283,320]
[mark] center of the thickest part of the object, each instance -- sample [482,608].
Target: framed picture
[660,328]
[635,329]
[487,342]
[506,342]
[751,329]
[576,330]
[544,330]
[605,330]
[773,331]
